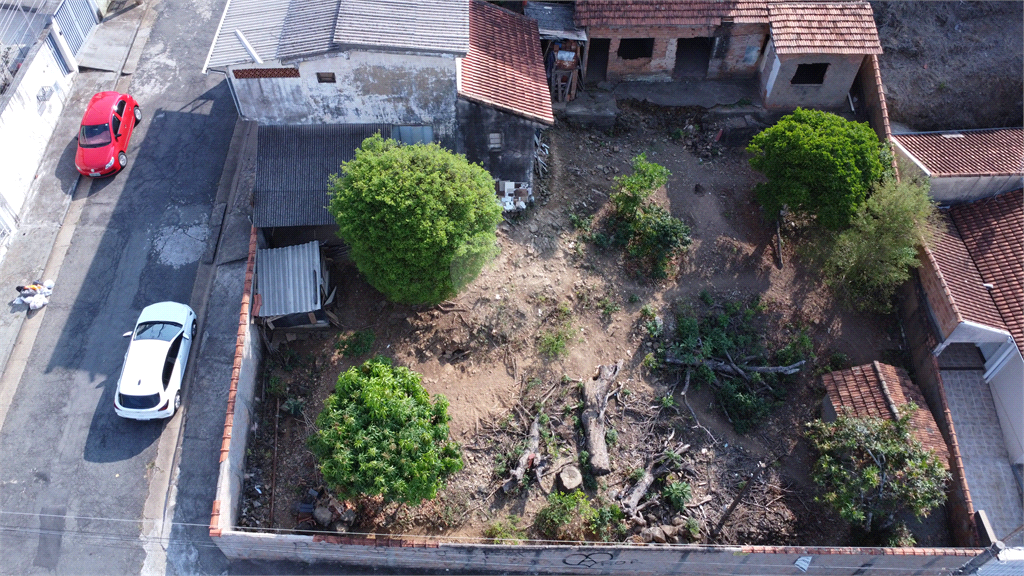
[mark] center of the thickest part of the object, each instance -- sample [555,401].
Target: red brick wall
[937,294]
[921,339]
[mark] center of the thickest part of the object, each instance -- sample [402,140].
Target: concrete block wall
[369,87]
[781,93]
[921,339]
[238,417]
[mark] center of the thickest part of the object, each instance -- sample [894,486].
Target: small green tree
[635,188]
[868,261]
[420,221]
[818,164]
[379,433]
[871,469]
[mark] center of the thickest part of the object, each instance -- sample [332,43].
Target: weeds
[677,494]
[357,344]
[565,516]
[608,307]
[506,532]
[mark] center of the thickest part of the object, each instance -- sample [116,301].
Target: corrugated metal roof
[555,20]
[436,26]
[288,279]
[274,28]
[293,166]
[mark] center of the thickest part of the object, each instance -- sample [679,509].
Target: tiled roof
[435,26]
[992,230]
[966,287]
[989,152]
[860,390]
[626,13]
[823,28]
[504,68]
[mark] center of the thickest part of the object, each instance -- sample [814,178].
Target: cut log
[527,459]
[595,398]
[631,503]
[734,370]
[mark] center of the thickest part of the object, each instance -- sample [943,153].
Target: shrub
[565,516]
[420,221]
[506,532]
[677,494]
[657,238]
[872,469]
[356,344]
[637,187]
[818,164]
[554,343]
[380,434]
[867,262]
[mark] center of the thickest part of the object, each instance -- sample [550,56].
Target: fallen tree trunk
[631,503]
[527,459]
[595,398]
[734,370]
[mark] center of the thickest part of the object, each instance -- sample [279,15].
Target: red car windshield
[94,136]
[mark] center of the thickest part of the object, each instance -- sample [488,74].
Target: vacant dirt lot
[953,65]
[482,351]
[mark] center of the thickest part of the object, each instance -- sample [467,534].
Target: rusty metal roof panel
[288,279]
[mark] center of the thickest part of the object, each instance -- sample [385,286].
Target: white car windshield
[165,331]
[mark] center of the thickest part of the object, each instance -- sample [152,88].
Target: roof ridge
[885,390]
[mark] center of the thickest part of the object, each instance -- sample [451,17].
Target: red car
[107,126]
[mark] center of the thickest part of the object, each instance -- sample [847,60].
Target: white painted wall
[953,190]
[26,124]
[1007,385]
[369,87]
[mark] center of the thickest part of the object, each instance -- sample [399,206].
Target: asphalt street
[74,477]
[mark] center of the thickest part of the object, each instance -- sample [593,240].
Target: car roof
[100,105]
[165,312]
[143,367]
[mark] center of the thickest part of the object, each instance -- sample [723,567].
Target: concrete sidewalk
[55,201]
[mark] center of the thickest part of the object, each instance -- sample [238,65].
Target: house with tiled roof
[881,391]
[964,165]
[802,53]
[965,324]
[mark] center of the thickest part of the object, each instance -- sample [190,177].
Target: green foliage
[818,164]
[867,262]
[677,494]
[799,348]
[357,344]
[636,188]
[667,401]
[651,362]
[706,297]
[609,522]
[608,306]
[647,312]
[744,406]
[554,343]
[276,387]
[420,221]
[293,406]
[506,532]
[872,469]
[380,433]
[657,238]
[581,223]
[611,436]
[633,298]
[565,516]
[635,474]
[693,528]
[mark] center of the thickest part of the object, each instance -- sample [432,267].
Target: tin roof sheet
[288,279]
[293,168]
[554,20]
[437,26]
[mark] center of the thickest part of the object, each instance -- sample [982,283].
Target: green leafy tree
[635,188]
[379,433]
[868,261]
[871,469]
[420,221]
[818,164]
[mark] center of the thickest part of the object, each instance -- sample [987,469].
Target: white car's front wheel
[177,400]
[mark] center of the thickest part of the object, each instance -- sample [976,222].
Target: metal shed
[292,286]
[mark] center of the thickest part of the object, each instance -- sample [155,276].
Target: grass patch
[357,344]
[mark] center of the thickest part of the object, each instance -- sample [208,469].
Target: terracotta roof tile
[992,232]
[991,152]
[859,389]
[966,290]
[503,67]
[626,13]
[823,28]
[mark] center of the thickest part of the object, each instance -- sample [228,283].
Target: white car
[150,383]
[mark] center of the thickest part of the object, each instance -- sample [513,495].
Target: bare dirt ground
[481,351]
[952,65]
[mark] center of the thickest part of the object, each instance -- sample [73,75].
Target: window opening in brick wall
[635,48]
[809,74]
[325,77]
[494,141]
